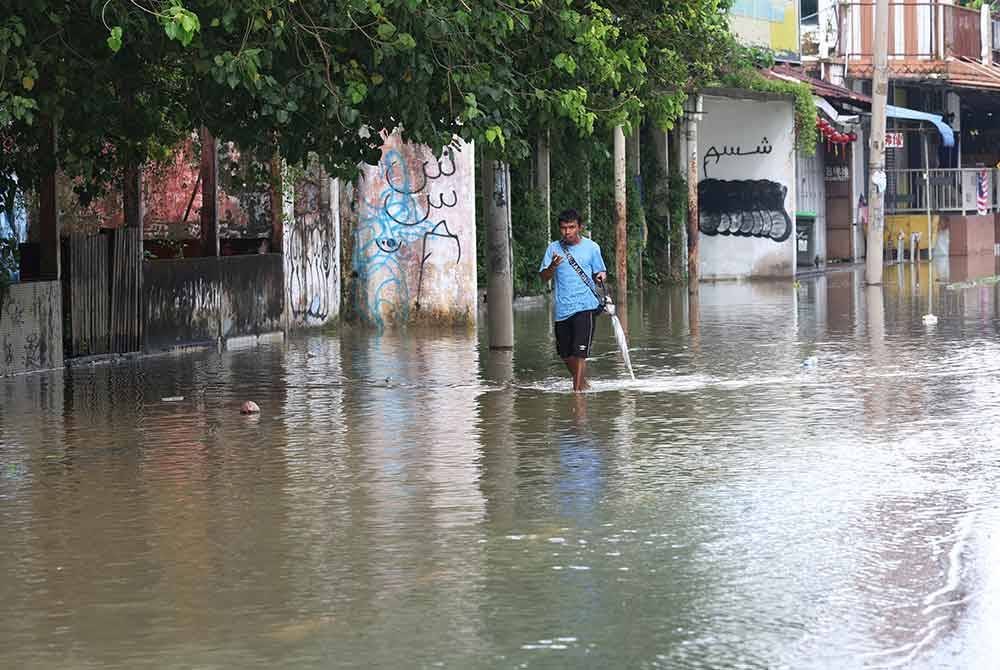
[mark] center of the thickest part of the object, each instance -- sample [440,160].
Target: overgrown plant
[747,75]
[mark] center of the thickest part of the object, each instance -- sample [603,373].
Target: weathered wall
[172,198]
[415,241]
[971,235]
[244,194]
[911,223]
[202,300]
[30,327]
[312,252]
[746,194]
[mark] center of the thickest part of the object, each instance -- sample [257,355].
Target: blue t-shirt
[571,294]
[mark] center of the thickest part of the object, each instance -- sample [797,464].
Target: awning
[824,91]
[834,115]
[947,134]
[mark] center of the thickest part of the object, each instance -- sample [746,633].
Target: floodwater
[801,477]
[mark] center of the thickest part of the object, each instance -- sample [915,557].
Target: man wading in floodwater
[576,304]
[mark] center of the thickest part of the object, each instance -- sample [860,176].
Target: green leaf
[357,91]
[386,30]
[565,62]
[115,39]
[407,42]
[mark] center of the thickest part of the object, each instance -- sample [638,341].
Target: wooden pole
[543,178]
[661,188]
[209,194]
[48,210]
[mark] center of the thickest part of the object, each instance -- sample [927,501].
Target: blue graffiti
[399,216]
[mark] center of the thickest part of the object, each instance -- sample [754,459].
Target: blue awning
[947,134]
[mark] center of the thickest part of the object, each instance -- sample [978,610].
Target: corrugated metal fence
[88,297]
[126,291]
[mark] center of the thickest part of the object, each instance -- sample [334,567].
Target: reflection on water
[800,477]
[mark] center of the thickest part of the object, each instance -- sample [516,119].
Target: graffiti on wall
[403,223]
[30,327]
[745,208]
[742,207]
[311,253]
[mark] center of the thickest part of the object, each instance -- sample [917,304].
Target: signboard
[894,140]
[768,23]
[836,173]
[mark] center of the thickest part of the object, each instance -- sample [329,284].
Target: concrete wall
[747,189]
[312,252]
[206,300]
[415,240]
[31,336]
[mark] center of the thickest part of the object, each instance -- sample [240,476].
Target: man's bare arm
[547,273]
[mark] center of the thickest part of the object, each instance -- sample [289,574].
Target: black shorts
[574,335]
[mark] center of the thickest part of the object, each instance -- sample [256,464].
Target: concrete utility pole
[621,220]
[694,112]
[876,166]
[500,278]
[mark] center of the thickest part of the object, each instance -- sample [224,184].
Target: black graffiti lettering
[405,188]
[15,311]
[388,245]
[442,204]
[439,230]
[388,212]
[763,148]
[31,350]
[744,208]
[441,171]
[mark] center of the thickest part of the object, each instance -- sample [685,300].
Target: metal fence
[952,190]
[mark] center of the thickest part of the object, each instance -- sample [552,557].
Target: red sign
[894,140]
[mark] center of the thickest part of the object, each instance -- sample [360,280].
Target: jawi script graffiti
[742,207]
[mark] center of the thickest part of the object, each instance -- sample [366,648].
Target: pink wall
[971,235]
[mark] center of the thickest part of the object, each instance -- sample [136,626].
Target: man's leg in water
[577,369]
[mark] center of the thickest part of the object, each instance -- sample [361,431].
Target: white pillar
[953,104]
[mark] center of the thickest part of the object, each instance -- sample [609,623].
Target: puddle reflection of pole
[497,413]
[878,400]
[694,319]
[621,307]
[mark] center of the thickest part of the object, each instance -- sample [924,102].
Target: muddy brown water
[800,477]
